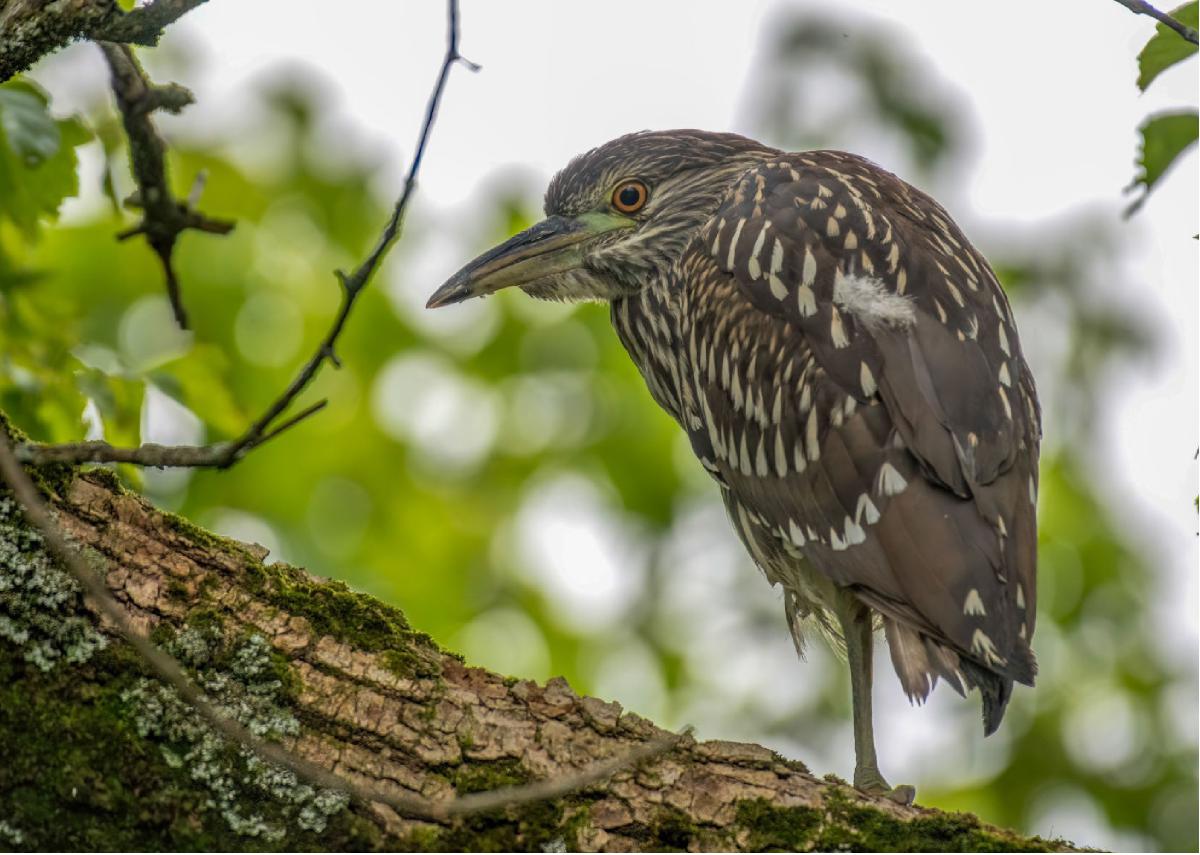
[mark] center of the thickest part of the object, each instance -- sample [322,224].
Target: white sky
[1050,85]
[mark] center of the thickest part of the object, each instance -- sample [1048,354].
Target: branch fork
[164,218]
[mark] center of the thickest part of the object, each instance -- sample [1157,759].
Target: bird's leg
[856,629]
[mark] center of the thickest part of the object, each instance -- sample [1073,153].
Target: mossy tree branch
[31,29]
[344,682]
[238,735]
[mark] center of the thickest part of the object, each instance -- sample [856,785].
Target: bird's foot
[872,782]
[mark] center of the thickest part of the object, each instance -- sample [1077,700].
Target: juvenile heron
[847,369]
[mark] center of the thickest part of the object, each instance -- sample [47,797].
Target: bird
[846,367]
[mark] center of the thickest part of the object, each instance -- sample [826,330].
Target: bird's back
[847,368]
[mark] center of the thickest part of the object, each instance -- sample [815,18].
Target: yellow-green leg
[856,628]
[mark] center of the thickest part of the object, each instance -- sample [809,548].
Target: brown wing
[860,379]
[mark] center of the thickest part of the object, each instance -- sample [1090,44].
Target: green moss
[205,618]
[790,763]
[52,479]
[405,663]
[290,684]
[333,609]
[106,478]
[673,831]
[202,537]
[846,824]
[772,827]
[482,776]
[15,435]
[177,591]
[359,620]
[574,821]
[536,827]
[429,711]
[162,634]
[860,826]
[78,777]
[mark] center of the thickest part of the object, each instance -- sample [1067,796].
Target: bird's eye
[630,196]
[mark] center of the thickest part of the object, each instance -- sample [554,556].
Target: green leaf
[119,400]
[1164,138]
[1166,47]
[32,134]
[37,157]
[200,382]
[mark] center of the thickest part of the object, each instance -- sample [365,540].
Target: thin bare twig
[552,788]
[1140,7]
[224,455]
[354,283]
[172,673]
[164,217]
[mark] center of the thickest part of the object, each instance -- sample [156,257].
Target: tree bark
[97,755]
[31,29]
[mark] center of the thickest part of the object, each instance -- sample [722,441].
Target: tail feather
[994,690]
[910,658]
[1022,665]
[947,664]
[919,662]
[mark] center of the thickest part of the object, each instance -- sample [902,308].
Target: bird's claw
[904,794]
[875,785]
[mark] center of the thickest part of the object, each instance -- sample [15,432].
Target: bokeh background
[498,470]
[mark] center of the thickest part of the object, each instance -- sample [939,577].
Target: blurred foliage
[37,157]
[500,472]
[1165,136]
[880,82]
[1166,47]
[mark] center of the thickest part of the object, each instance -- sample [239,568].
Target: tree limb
[144,25]
[1141,7]
[386,711]
[150,453]
[31,29]
[171,672]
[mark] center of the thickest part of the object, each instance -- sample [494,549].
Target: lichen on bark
[39,603]
[98,755]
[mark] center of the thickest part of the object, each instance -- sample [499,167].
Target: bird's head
[616,217]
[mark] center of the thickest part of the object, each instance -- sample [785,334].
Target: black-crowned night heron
[847,369]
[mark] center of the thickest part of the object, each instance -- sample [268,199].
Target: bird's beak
[553,246]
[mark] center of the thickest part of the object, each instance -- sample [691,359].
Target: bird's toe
[875,785]
[903,794]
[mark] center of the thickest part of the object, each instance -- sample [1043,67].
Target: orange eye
[630,196]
